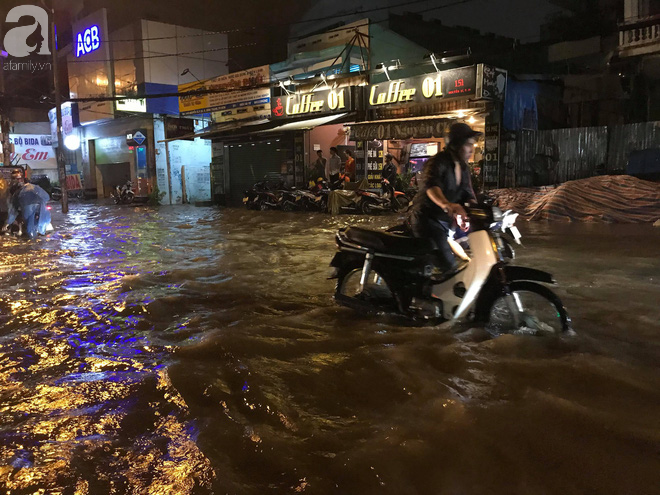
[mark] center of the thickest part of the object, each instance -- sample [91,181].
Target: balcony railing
[639,32]
[641,36]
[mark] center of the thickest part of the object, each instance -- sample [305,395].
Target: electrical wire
[343,28]
[239,30]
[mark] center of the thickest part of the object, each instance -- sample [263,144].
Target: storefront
[318,118]
[285,146]
[409,119]
[115,151]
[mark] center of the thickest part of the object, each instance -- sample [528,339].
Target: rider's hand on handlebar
[458,212]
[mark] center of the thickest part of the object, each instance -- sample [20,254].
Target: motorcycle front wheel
[367,207]
[129,198]
[530,308]
[374,295]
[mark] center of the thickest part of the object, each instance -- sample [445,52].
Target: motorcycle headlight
[497,214]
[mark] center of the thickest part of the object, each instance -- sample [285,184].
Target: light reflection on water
[188,350]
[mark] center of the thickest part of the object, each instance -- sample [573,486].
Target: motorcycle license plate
[515,232]
[245,200]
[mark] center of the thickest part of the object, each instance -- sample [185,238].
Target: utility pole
[61,169]
[4,117]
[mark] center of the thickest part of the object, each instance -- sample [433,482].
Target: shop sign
[69,120]
[426,128]
[491,153]
[237,98]
[32,150]
[113,150]
[493,82]
[73,182]
[424,89]
[375,163]
[87,41]
[317,103]
[136,138]
[175,128]
[131,104]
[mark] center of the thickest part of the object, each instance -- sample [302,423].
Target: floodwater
[189,350]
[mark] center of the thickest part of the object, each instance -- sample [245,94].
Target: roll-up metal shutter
[248,163]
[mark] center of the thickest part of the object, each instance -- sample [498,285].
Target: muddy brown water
[195,350]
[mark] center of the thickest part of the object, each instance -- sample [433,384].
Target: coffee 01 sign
[317,103]
[420,89]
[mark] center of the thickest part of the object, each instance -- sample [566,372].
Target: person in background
[349,166]
[390,170]
[317,169]
[333,166]
[437,208]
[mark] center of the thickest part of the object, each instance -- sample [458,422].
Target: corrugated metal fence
[534,158]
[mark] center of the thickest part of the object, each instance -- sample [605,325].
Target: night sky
[258,30]
[512,18]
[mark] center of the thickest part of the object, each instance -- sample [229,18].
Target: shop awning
[435,126]
[219,129]
[307,124]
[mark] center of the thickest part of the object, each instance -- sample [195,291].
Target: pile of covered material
[611,198]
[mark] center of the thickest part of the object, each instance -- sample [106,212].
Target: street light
[187,71]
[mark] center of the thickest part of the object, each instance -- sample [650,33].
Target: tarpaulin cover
[520,109]
[339,198]
[610,198]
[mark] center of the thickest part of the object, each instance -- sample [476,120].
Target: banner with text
[246,102]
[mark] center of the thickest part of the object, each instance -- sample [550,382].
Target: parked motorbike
[389,200]
[56,193]
[316,199]
[258,198]
[124,194]
[384,272]
[290,198]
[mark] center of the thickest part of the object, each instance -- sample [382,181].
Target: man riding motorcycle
[446,185]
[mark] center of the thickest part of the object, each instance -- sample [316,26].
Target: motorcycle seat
[389,243]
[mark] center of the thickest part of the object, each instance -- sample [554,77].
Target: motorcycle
[385,272]
[389,200]
[56,193]
[260,197]
[123,194]
[290,198]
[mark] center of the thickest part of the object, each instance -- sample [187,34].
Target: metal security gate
[249,162]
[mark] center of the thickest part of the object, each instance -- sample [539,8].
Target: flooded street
[194,350]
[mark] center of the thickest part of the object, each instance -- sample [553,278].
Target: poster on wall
[374,163]
[491,155]
[32,150]
[299,158]
[360,160]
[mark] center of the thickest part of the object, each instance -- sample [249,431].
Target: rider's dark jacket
[439,171]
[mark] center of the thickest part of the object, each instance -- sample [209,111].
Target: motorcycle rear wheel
[402,203]
[530,309]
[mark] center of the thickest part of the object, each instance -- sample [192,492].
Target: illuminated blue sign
[87,41]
